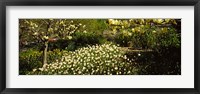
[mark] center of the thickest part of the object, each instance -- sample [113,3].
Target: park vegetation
[99,46]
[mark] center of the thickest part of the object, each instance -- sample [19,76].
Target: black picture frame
[4,3]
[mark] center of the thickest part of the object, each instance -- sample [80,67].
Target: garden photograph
[107,46]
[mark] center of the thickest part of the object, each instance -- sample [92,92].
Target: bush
[137,40]
[93,24]
[81,39]
[104,59]
[28,60]
[31,59]
[123,40]
[149,38]
[167,40]
[54,55]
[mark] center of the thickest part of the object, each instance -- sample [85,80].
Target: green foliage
[157,39]
[56,54]
[28,60]
[45,31]
[80,39]
[161,36]
[71,46]
[88,38]
[169,39]
[31,59]
[123,40]
[149,38]
[97,25]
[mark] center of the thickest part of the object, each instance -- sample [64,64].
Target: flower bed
[106,59]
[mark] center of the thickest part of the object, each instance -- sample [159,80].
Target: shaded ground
[155,63]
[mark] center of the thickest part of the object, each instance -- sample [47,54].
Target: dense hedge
[32,58]
[79,40]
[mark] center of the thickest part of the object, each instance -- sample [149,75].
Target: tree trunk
[45,53]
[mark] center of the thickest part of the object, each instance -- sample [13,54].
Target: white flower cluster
[104,59]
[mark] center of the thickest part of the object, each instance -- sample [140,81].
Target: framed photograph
[90,46]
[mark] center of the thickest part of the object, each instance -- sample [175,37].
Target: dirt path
[130,49]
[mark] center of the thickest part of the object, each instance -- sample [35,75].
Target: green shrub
[166,40]
[81,39]
[54,55]
[137,40]
[123,40]
[94,24]
[31,59]
[149,38]
[28,60]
